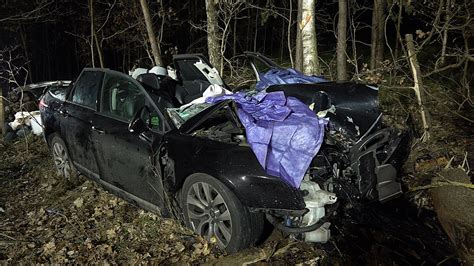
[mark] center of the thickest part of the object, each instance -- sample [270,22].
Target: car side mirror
[137,124]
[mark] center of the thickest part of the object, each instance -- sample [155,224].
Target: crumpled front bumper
[376,160]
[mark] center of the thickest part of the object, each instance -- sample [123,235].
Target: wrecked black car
[151,141]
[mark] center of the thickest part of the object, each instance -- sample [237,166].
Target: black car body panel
[355,104]
[149,164]
[234,165]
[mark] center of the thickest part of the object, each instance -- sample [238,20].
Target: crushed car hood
[351,107]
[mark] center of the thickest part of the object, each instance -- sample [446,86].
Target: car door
[125,158]
[195,74]
[76,115]
[260,63]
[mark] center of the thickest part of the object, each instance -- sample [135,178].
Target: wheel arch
[258,191]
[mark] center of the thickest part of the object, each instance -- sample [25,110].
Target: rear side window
[85,91]
[188,70]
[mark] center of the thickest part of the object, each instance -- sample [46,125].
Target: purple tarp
[282,131]
[285,76]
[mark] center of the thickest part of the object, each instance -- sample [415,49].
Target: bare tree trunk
[234,38]
[99,51]
[341,41]
[256,32]
[397,28]
[155,49]
[353,30]
[2,113]
[91,42]
[25,48]
[373,35]
[308,37]
[299,42]
[248,39]
[445,34]
[289,35]
[378,34]
[213,36]
[418,87]
[282,44]
[94,38]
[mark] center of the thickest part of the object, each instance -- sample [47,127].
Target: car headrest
[150,79]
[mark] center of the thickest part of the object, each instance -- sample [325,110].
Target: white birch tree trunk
[299,43]
[308,38]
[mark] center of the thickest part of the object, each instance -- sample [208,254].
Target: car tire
[62,161]
[213,211]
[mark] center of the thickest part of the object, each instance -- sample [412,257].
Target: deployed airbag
[282,131]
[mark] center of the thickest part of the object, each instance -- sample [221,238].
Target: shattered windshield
[180,115]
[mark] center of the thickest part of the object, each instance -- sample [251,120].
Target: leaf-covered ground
[42,220]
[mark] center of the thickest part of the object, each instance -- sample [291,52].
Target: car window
[188,70]
[242,74]
[85,91]
[261,66]
[121,99]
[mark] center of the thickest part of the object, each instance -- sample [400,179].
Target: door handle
[98,130]
[63,112]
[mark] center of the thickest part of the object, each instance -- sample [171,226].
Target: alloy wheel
[208,213]
[61,160]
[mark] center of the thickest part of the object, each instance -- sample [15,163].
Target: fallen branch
[7,236]
[418,87]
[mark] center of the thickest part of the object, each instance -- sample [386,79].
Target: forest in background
[357,40]
[56,39]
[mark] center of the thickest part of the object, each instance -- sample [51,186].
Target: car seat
[162,88]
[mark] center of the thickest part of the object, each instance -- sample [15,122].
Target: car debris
[24,124]
[21,110]
[291,153]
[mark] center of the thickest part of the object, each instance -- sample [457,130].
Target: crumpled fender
[234,165]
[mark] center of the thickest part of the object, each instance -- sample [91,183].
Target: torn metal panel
[357,102]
